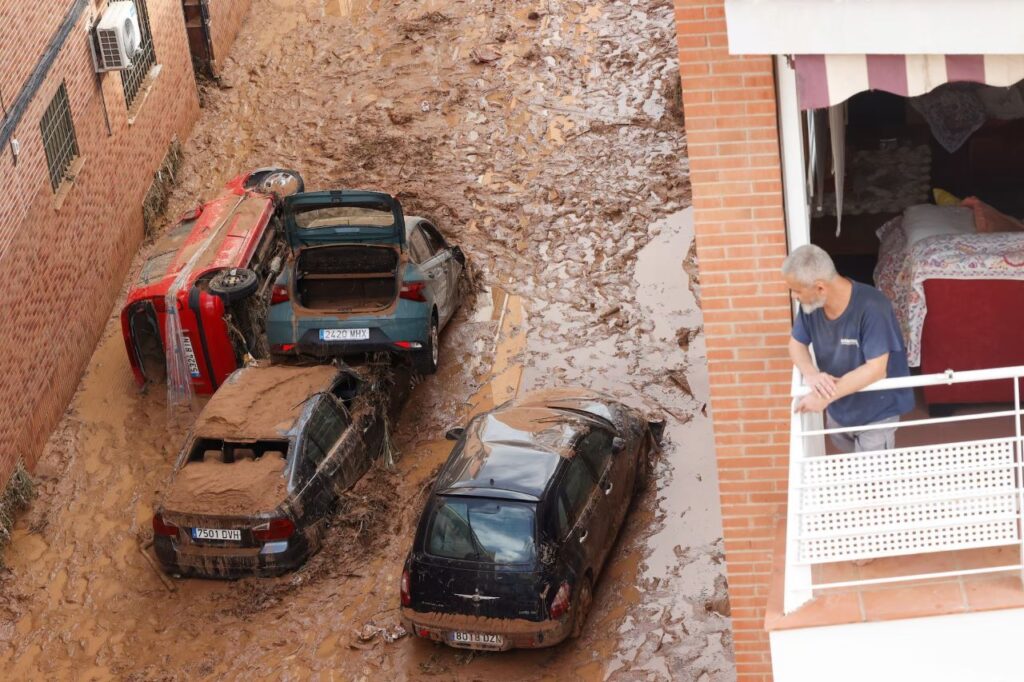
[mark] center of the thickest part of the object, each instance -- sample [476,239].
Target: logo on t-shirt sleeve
[849,342]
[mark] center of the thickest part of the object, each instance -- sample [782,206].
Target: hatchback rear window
[473,529]
[376,215]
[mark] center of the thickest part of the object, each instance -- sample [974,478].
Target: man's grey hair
[808,264]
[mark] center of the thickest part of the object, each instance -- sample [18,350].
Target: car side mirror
[618,445]
[457,254]
[454,433]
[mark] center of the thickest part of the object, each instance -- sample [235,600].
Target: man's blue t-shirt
[866,329]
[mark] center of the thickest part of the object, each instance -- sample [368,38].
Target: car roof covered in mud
[515,449]
[262,401]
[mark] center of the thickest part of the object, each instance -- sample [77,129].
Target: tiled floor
[909,599]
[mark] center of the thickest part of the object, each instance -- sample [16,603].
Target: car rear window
[378,215]
[475,529]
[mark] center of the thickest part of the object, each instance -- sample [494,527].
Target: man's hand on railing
[822,383]
[812,402]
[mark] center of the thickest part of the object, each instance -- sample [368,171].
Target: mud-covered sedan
[521,519]
[362,277]
[264,466]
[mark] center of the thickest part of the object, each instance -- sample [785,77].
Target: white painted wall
[875,27]
[959,648]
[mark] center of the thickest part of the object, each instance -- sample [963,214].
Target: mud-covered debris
[424,24]
[608,312]
[680,380]
[16,497]
[691,268]
[686,335]
[719,602]
[533,15]
[399,118]
[485,54]
[370,632]
[394,634]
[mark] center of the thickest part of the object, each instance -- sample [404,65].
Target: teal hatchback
[362,277]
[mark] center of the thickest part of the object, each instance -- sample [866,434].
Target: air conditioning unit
[116,38]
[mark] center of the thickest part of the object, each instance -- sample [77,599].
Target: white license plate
[476,640]
[344,334]
[190,357]
[217,534]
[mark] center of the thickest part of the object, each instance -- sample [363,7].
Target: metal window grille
[143,61]
[58,136]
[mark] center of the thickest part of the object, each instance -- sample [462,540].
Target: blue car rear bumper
[409,323]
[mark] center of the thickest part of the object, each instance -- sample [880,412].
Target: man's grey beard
[809,308]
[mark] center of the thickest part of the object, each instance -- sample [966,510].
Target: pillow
[988,219]
[927,220]
[944,198]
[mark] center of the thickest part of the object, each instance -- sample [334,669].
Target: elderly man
[856,341]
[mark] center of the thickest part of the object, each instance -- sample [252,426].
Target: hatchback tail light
[161,527]
[279,294]
[275,529]
[413,291]
[406,592]
[560,604]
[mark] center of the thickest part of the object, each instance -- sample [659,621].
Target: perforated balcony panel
[908,501]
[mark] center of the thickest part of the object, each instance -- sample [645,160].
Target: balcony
[914,552]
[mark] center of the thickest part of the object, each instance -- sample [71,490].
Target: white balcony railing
[910,500]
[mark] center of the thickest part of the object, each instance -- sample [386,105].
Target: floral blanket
[901,272]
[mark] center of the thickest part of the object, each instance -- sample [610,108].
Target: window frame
[60,153]
[573,515]
[414,249]
[434,238]
[133,79]
[605,455]
[329,404]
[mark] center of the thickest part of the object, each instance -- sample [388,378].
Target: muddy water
[542,138]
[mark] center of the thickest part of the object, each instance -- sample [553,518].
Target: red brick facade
[226,17]
[63,254]
[735,170]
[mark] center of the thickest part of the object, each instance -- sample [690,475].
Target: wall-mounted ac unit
[116,37]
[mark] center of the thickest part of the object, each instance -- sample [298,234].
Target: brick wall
[732,137]
[61,263]
[226,17]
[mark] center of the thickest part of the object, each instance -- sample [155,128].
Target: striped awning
[826,80]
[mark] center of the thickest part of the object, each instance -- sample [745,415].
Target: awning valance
[826,80]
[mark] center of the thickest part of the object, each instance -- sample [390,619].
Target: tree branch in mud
[19,493]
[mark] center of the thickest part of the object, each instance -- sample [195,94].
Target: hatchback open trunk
[347,277]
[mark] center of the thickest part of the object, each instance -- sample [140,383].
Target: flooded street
[544,139]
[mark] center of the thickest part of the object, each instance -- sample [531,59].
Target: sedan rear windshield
[474,529]
[377,215]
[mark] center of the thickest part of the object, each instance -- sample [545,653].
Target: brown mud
[243,487]
[544,138]
[262,402]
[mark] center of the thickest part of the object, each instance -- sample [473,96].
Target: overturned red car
[212,272]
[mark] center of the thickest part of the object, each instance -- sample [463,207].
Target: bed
[958,295]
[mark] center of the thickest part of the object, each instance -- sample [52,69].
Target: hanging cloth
[837,130]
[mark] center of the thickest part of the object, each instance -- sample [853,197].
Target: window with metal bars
[143,61]
[59,136]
